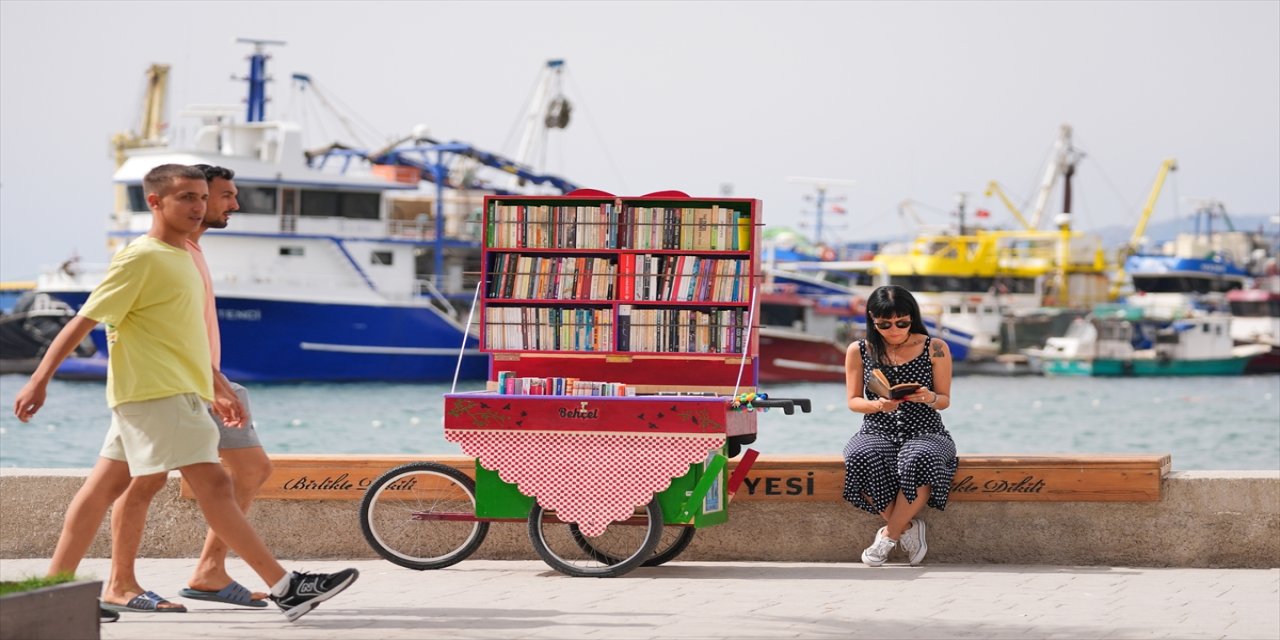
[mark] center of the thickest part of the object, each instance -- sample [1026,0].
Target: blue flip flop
[145,602]
[234,593]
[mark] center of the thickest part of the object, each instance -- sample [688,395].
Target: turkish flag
[983,213]
[835,208]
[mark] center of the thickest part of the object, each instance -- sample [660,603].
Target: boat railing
[427,289]
[414,229]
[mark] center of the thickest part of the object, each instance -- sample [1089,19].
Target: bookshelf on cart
[648,294]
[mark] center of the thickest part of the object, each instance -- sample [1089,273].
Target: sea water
[1205,423]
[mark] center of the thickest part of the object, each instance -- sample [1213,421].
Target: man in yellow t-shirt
[238,446]
[159,379]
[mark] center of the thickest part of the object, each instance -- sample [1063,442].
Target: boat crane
[994,188]
[1062,161]
[1135,240]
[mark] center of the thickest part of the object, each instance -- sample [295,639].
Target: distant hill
[1157,232]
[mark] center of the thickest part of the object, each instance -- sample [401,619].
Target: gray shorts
[242,438]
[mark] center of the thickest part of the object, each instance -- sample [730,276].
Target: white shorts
[154,436]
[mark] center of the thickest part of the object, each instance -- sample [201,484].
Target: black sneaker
[306,590]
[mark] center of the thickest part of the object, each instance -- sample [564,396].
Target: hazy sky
[910,100]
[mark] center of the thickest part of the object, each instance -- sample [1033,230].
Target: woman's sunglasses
[885,324]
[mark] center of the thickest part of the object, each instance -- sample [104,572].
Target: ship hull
[786,356]
[1112,368]
[285,341]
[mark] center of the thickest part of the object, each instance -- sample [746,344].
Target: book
[880,386]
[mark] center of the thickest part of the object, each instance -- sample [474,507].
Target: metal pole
[438,171]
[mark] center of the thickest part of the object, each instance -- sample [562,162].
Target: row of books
[548,329]
[682,330]
[678,278]
[509,384]
[554,278]
[683,278]
[608,226]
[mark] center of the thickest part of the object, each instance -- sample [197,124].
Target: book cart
[623,367]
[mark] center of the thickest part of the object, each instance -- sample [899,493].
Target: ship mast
[256,105]
[542,116]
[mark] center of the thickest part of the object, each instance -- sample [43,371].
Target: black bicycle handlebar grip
[786,405]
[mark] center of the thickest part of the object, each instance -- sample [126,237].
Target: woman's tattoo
[937,350]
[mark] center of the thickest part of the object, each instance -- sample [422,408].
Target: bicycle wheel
[422,515]
[674,541]
[632,542]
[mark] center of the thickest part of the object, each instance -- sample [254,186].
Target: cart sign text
[580,412]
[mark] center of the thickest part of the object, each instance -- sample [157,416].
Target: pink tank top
[210,308]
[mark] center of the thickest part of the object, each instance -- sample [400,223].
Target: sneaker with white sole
[306,590]
[913,542]
[876,554]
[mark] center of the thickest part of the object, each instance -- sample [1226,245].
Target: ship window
[292,251]
[319,203]
[257,200]
[381,257]
[339,204]
[137,199]
[359,205]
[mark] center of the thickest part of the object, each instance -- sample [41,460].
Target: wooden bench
[980,477]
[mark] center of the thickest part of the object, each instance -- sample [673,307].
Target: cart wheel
[674,541]
[422,515]
[630,543]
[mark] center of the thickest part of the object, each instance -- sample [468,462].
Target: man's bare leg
[108,479]
[249,468]
[128,519]
[212,487]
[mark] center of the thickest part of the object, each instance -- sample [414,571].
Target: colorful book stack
[509,384]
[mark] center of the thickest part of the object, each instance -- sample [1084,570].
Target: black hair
[888,302]
[212,173]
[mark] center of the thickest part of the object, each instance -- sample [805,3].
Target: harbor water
[1205,423]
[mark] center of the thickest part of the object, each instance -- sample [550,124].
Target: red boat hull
[788,356]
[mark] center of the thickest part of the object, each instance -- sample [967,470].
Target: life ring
[828,254]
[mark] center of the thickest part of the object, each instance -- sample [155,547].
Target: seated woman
[903,457]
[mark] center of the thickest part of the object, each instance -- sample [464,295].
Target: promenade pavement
[526,599]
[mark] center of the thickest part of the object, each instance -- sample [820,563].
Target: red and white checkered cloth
[592,479]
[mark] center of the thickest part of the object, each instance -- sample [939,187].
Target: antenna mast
[820,198]
[257,102]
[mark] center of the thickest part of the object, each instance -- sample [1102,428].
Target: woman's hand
[923,395]
[885,405]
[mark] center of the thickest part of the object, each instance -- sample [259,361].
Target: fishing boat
[1255,316]
[1121,340]
[342,263]
[802,338]
[29,325]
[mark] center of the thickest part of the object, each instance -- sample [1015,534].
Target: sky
[889,101]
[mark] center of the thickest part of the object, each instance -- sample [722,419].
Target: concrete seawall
[1205,519]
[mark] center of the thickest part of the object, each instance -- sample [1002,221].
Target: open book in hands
[879,385]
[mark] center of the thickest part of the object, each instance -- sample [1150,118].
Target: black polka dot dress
[902,450]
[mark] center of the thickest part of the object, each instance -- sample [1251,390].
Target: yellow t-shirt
[152,301]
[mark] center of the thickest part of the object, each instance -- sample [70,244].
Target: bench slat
[981,477]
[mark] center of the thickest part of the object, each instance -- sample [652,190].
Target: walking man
[159,377]
[238,446]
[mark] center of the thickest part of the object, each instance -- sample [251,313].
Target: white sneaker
[913,542]
[876,554]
